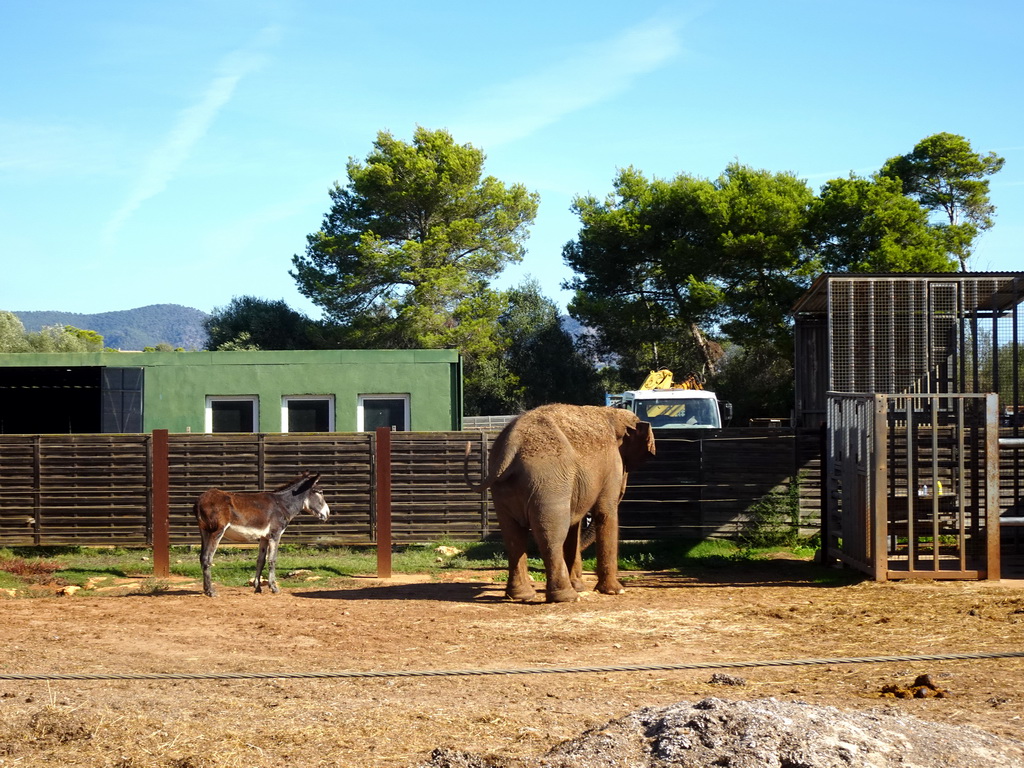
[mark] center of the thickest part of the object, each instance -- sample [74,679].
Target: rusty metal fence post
[161,506]
[382,460]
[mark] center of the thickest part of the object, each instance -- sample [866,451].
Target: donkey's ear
[308,481]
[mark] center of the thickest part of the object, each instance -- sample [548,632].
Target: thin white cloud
[193,123]
[36,152]
[596,73]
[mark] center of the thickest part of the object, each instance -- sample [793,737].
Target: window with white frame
[232,413]
[383,411]
[307,413]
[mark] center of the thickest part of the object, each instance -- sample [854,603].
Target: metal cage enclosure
[916,378]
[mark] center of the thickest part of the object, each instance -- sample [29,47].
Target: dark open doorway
[78,400]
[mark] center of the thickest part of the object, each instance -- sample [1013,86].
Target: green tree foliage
[406,252]
[92,340]
[946,176]
[12,333]
[13,338]
[52,338]
[664,267]
[757,380]
[248,322]
[163,346]
[64,338]
[868,225]
[699,275]
[540,362]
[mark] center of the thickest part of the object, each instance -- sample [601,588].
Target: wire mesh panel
[903,334]
[910,333]
[913,485]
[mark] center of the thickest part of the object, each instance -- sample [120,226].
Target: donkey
[254,516]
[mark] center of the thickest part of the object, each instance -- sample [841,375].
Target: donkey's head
[313,500]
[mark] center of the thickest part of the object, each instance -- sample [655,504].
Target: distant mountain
[131,328]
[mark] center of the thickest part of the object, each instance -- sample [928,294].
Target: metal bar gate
[912,485]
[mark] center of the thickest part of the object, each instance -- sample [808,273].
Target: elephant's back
[552,430]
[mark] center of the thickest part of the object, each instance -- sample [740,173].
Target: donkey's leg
[211,539]
[272,542]
[260,560]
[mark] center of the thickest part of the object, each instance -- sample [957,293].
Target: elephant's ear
[637,446]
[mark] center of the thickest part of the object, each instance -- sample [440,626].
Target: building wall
[177,383]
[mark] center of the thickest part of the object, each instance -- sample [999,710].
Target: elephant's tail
[588,532]
[502,455]
[469,480]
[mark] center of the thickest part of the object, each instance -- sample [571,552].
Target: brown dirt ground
[777,610]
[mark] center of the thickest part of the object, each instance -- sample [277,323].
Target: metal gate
[912,485]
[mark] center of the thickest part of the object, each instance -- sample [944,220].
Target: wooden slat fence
[247,462]
[97,489]
[701,486]
[429,492]
[62,489]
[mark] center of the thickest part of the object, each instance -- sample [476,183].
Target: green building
[288,391]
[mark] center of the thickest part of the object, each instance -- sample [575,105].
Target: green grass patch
[22,567]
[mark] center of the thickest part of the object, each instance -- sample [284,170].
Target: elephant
[548,469]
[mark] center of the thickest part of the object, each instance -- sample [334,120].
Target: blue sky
[180,152]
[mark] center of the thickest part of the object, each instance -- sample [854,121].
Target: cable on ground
[523,671]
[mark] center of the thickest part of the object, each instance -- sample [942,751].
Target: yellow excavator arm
[662,379]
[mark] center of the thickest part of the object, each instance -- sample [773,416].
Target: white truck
[668,405]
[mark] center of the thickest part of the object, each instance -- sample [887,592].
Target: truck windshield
[690,413]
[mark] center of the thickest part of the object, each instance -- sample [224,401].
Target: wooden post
[383,462]
[484,526]
[161,506]
[37,490]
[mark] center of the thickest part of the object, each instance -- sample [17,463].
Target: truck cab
[675,408]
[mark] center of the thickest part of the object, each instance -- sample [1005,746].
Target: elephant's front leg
[516,535]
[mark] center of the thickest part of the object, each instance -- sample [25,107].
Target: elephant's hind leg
[573,553]
[515,536]
[608,554]
[551,539]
